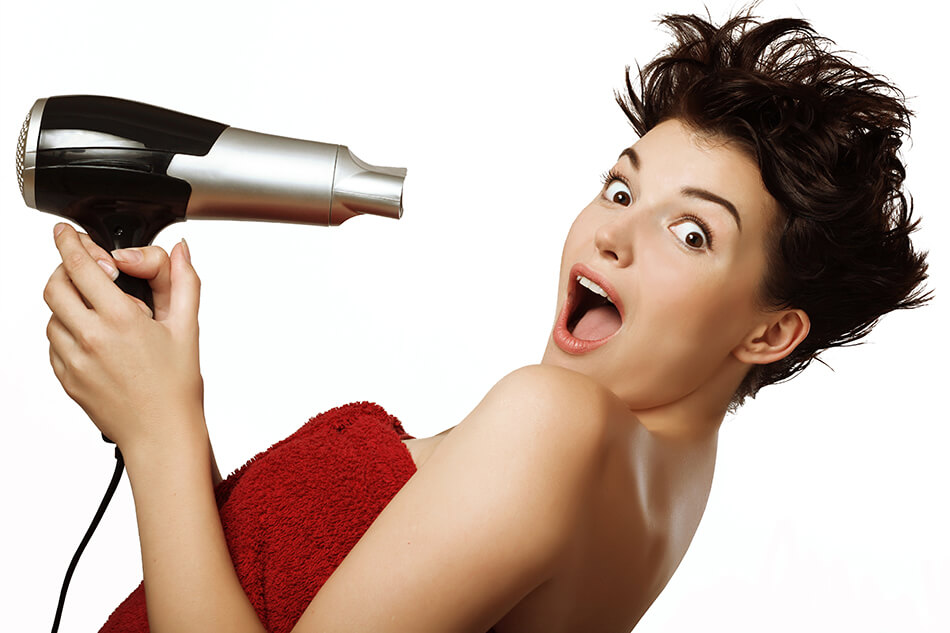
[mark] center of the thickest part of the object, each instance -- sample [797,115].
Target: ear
[774,339]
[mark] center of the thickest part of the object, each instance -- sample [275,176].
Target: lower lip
[567,341]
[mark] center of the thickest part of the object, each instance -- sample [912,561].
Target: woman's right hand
[156,265]
[136,377]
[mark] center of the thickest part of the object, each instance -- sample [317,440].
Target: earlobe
[774,339]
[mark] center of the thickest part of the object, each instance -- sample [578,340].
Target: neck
[698,415]
[681,421]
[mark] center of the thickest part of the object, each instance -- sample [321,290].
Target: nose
[614,241]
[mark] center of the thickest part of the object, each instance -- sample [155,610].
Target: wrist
[180,438]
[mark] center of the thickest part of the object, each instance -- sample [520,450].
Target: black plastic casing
[121,195]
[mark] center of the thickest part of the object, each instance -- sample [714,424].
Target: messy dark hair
[825,135]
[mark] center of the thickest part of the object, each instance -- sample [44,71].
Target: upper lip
[585,271]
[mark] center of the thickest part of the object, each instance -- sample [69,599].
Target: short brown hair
[825,134]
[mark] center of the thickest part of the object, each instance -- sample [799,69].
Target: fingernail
[109,268]
[128,255]
[58,228]
[184,247]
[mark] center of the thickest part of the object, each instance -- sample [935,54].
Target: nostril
[613,245]
[606,242]
[608,253]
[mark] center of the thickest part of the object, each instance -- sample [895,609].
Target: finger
[151,263]
[59,367]
[64,300]
[147,311]
[97,252]
[55,361]
[90,280]
[61,343]
[186,286]
[59,336]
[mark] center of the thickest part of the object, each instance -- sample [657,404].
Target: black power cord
[116,476]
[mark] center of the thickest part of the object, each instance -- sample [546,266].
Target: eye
[617,192]
[693,233]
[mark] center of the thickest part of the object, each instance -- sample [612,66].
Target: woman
[758,220]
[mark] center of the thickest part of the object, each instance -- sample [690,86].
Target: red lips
[562,337]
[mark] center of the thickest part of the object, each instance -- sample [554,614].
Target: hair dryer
[125,170]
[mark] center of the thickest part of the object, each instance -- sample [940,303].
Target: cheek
[672,288]
[696,304]
[686,330]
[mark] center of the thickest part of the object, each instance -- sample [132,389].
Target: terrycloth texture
[291,514]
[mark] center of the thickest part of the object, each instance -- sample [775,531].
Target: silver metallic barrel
[252,176]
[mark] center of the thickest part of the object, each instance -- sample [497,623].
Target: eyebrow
[689,192]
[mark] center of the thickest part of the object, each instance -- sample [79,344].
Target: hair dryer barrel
[124,170]
[251,176]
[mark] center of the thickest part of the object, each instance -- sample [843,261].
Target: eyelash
[611,175]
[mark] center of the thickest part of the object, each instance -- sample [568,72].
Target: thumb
[149,263]
[186,287]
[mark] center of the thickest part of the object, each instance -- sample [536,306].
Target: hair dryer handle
[135,226]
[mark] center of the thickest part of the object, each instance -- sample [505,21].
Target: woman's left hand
[137,379]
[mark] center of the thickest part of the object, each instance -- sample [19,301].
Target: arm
[139,382]
[485,521]
[190,582]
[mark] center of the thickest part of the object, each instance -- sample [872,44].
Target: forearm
[190,582]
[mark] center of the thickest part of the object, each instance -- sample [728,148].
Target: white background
[829,507]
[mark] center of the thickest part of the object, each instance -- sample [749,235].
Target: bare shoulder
[560,400]
[557,425]
[541,376]
[558,416]
[549,427]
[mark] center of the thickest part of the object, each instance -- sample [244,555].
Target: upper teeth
[590,285]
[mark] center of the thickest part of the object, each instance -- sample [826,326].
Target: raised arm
[138,380]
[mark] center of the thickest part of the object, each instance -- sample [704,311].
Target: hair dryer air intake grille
[21,151]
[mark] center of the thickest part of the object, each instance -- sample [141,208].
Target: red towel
[291,514]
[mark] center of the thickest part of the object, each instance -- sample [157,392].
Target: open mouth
[592,315]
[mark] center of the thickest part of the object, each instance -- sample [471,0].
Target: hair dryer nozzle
[362,188]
